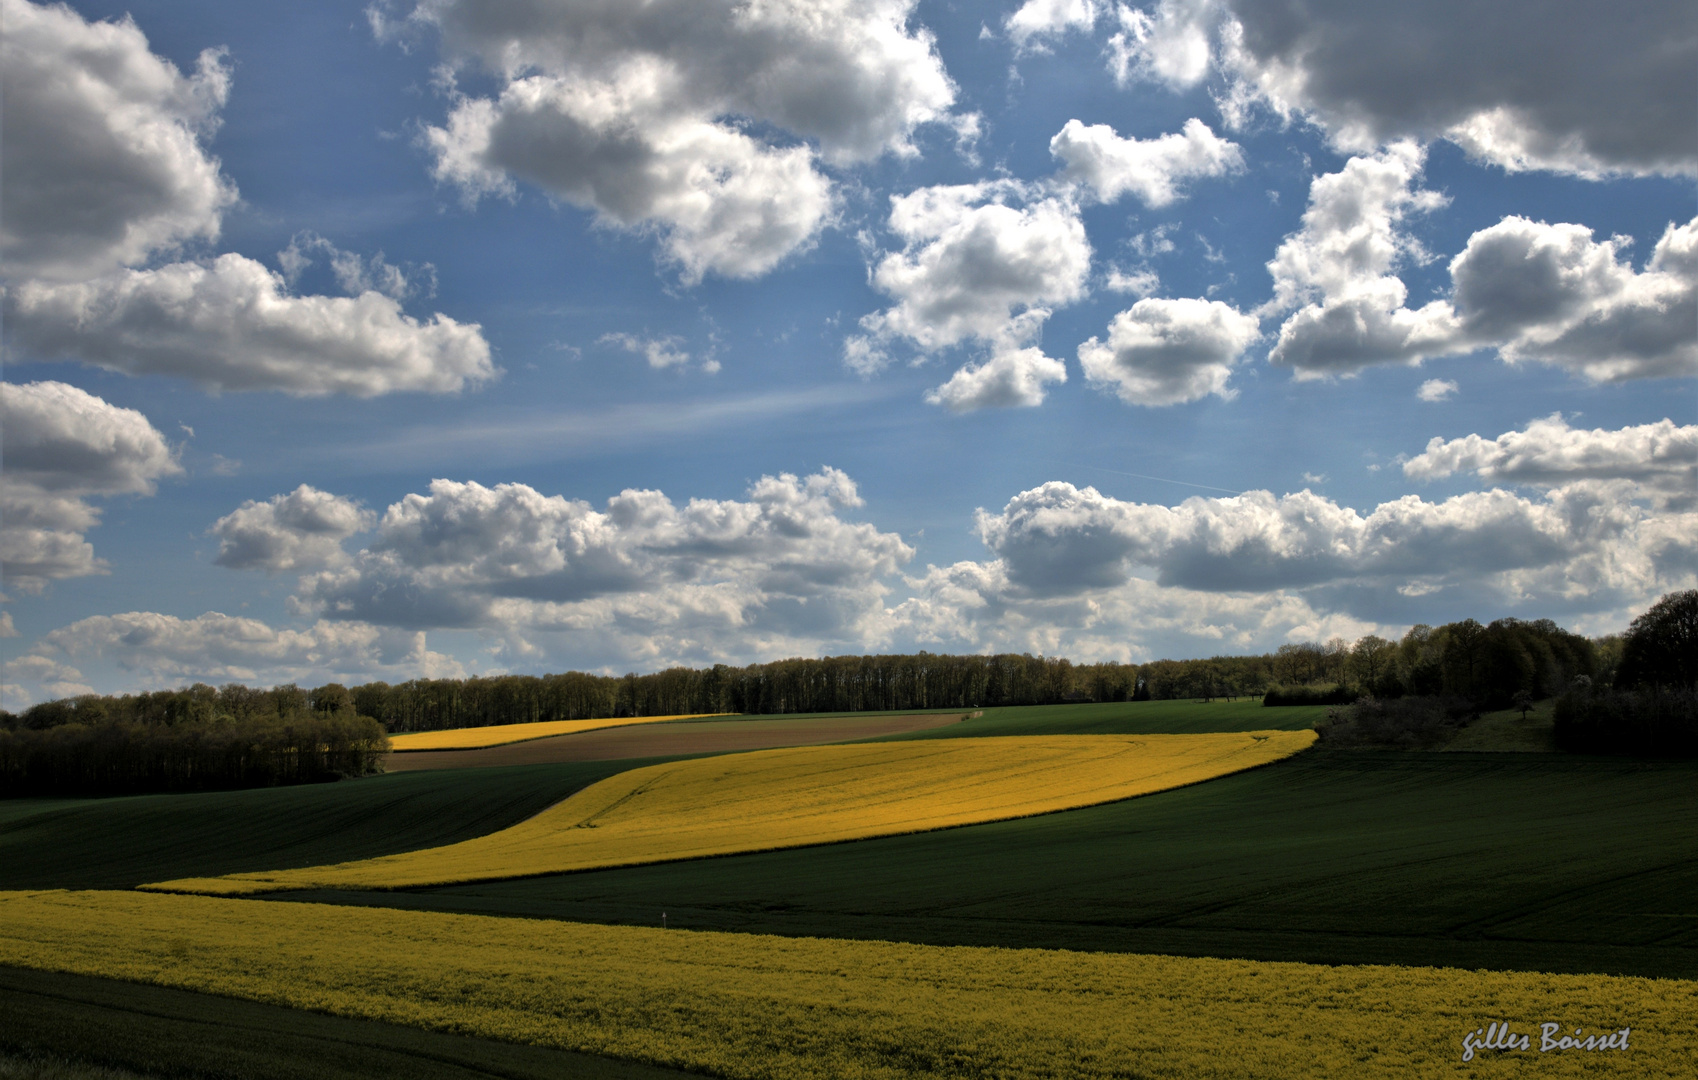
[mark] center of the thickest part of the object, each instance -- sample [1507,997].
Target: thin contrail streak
[1157,479]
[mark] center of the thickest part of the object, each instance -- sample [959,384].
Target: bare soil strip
[659,740]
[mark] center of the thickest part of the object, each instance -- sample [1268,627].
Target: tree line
[1624,692]
[197,739]
[1483,663]
[1650,704]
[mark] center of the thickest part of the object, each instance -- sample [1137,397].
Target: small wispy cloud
[1436,390]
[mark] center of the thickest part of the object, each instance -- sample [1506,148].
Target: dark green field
[1122,718]
[1516,861]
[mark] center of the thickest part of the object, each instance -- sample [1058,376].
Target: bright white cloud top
[61,446]
[485,336]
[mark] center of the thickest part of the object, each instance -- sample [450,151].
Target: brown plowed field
[657,740]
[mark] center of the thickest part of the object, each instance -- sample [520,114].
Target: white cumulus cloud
[1337,271]
[1581,544]
[1151,169]
[781,571]
[1009,378]
[233,325]
[103,141]
[62,446]
[298,531]
[1171,44]
[1529,290]
[1582,90]
[1661,457]
[1163,352]
[981,263]
[106,173]
[631,110]
[1553,294]
[160,651]
[1038,19]
[1436,390]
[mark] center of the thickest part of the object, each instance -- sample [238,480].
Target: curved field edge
[754,1007]
[796,797]
[480,738]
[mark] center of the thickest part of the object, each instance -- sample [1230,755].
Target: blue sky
[376,342]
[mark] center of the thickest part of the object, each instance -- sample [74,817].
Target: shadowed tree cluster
[196,739]
[1650,706]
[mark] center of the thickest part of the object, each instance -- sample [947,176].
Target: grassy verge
[75,1027]
[1510,731]
[1524,862]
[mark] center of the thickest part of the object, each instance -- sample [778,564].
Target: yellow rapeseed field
[755,1007]
[477,738]
[800,795]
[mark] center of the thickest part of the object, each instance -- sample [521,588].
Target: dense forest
[1629,693]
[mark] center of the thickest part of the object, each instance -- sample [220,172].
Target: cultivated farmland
[667,740]
[1427,861]
[742,1006]
[502,734]
[800,796]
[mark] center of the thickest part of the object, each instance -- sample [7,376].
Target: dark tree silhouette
[1660,648]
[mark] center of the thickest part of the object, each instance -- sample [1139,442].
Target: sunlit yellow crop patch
[476,738]
[757,1007]
[796,796]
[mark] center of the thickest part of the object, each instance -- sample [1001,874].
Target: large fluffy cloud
[724,201]
[104,160]
[62,446]
[1530,290]
[632,110]
[1579,87]
[1162,352]
[233,325]
[981,262]
[643,577]
[1662,457]
[105,174]
[1337,271]
[298,531]
[1552,293]
[1585,545]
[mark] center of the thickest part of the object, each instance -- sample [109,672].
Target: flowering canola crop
[477,738]
[795,796]
[755,1007]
